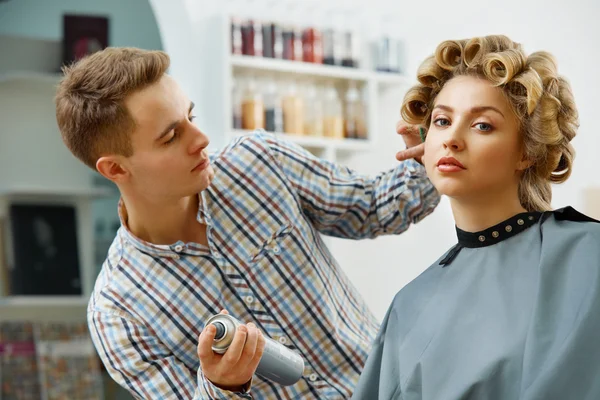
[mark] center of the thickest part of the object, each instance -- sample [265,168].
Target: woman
[513,310]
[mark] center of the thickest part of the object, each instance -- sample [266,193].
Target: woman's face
[473,145]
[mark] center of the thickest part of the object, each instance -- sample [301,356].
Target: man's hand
[414,146]
[234,369]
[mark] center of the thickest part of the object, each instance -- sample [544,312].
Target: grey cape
[512,312]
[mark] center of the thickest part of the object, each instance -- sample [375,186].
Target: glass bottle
[355,114]
[333,125]
[273,108]
[313,124]
[293,111]
[236,102]
[236,35]
[312,46]
[253,108]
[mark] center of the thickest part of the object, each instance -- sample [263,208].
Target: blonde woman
[512,311]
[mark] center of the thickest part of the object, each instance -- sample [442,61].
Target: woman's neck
[474,215]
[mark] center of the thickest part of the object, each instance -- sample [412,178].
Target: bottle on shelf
[298,48]
[387,49]
[267,38]
[288,43]
[329,46]
[236,102]
[252,38]
[258,38]
[293,110]
[253,108]
[277,40]
[351,50]
[333,125]
[312,46]
[276,13]
[330,40]
[355,121]
[273,108]
[247,38]
[236,35]
[351,41]
[313,124]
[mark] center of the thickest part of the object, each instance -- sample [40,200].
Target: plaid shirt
[265,262]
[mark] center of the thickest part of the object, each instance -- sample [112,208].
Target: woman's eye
[482,126]
[441,122]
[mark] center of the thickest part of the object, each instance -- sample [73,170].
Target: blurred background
[330,75]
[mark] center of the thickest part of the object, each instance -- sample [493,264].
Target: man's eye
[172,138]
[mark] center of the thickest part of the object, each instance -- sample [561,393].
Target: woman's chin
[452,189]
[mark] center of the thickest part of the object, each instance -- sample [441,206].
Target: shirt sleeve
[343,203]
[138,361]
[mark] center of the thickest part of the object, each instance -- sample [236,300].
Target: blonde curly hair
[541,99]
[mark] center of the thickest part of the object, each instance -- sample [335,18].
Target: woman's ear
[524,164]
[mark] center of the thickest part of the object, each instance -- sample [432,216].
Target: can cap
[221,330]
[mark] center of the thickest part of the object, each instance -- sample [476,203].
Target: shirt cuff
[215,392]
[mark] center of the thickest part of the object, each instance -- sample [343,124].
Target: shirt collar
[162,250]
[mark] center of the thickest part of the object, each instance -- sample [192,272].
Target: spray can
[278,363]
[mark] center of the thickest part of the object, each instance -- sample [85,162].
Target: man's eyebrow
[174,124]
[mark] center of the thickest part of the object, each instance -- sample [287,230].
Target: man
[237,230]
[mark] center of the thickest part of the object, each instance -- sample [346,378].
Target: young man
[238,230]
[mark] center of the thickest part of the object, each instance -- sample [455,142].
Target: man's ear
[112,168]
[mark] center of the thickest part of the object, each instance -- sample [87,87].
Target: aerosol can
[278,363]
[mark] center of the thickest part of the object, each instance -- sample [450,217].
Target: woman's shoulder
[568,219]
[567,232]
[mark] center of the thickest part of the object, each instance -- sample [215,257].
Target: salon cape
[511,312]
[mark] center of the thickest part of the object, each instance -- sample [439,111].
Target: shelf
[258,64]
[43,301]
[91,192]
[31,76]
[320,142]
[261,65]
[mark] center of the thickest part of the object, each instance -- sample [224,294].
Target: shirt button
[282,339]
[249,299]
[178,248]
[276,249]
[313,377]
[216,255]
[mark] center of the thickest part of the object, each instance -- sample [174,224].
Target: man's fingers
[224,312]
[405,129]
[205,341]
[234,352]
[413,152]
[250,346]
[260,349]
